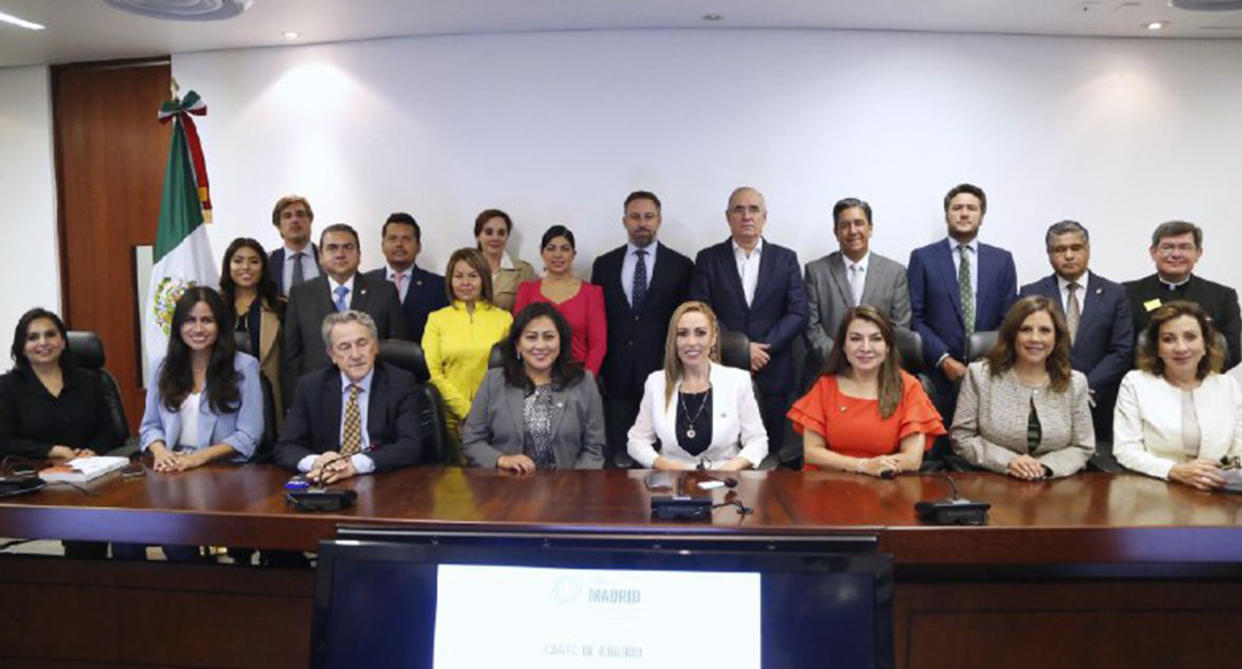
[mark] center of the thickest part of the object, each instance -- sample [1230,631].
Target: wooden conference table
[1095,570]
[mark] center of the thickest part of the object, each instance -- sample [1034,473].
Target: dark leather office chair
[86,351]
[431,412]
[979,343]
[735,352]
[267,443]
[495,359]
[910,347]
[734,349]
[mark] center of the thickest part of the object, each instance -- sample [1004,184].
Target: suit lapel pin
[1099,291]
[560,405]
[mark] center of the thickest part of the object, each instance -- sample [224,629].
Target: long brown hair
[1147,357]
[1003,355]
[890,383]
[673,369]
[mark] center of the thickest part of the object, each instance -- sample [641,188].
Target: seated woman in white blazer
[704,414]
[1177,415]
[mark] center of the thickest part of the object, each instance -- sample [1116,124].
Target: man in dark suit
[643,283]
[958,286]
[341,287]
[355,417]
[292,216]
[1098,314]
[848,277]
[1176,247]
[756,287]
[421,292]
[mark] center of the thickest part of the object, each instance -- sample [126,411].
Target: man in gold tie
[1098,315]
[356,417]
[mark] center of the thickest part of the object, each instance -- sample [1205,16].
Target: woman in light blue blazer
[205,402]
[540,409]
[703,413]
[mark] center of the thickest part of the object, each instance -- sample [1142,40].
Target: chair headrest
[910,345]
[495,358]
[734,349]
[979,344]
[405,354]
[86,349]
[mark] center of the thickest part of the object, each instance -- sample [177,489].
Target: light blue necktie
[341,303]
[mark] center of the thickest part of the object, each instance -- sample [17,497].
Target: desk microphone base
[953,512]
[667,507]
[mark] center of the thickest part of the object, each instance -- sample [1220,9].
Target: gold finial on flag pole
[172,90]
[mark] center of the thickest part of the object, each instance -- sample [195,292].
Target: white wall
[29,252]
[558,127]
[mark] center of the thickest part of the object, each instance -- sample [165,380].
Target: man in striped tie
[355,417]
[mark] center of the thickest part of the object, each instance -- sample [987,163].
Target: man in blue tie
[339,288]
[958,286]
[643,283]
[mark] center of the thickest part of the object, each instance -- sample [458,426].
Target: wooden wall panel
[110,156]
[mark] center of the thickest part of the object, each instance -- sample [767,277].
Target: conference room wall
[557,127]
[27,198]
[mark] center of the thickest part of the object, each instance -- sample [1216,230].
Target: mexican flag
[183,255]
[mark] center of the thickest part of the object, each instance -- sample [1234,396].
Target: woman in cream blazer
[1177,416]
[737,439]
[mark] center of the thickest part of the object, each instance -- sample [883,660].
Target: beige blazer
[505,283]
[269,356]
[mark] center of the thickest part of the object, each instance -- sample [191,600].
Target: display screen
[443,608]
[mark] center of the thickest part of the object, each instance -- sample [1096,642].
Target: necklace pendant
[842,409]
[690,433]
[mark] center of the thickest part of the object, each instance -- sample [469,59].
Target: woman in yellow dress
[459,338]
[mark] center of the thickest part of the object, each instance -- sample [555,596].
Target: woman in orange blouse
[864,414]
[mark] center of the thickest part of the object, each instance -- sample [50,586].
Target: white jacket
[1147,423]
[735,422]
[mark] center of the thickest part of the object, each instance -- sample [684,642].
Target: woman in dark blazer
[51,409]
[540,409]
[48,407]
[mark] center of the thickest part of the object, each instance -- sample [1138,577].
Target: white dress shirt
[748,268]
[189,422]
[630,261]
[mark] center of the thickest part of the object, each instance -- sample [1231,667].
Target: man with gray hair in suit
[850,277]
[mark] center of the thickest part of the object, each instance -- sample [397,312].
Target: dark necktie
[638,292]
[299,272]
[964,292]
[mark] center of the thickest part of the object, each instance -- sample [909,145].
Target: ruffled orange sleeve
[917,413]
[810,411]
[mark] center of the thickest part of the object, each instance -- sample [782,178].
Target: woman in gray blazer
[540,409]
[1022,411]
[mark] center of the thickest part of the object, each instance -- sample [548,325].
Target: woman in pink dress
[580,302]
